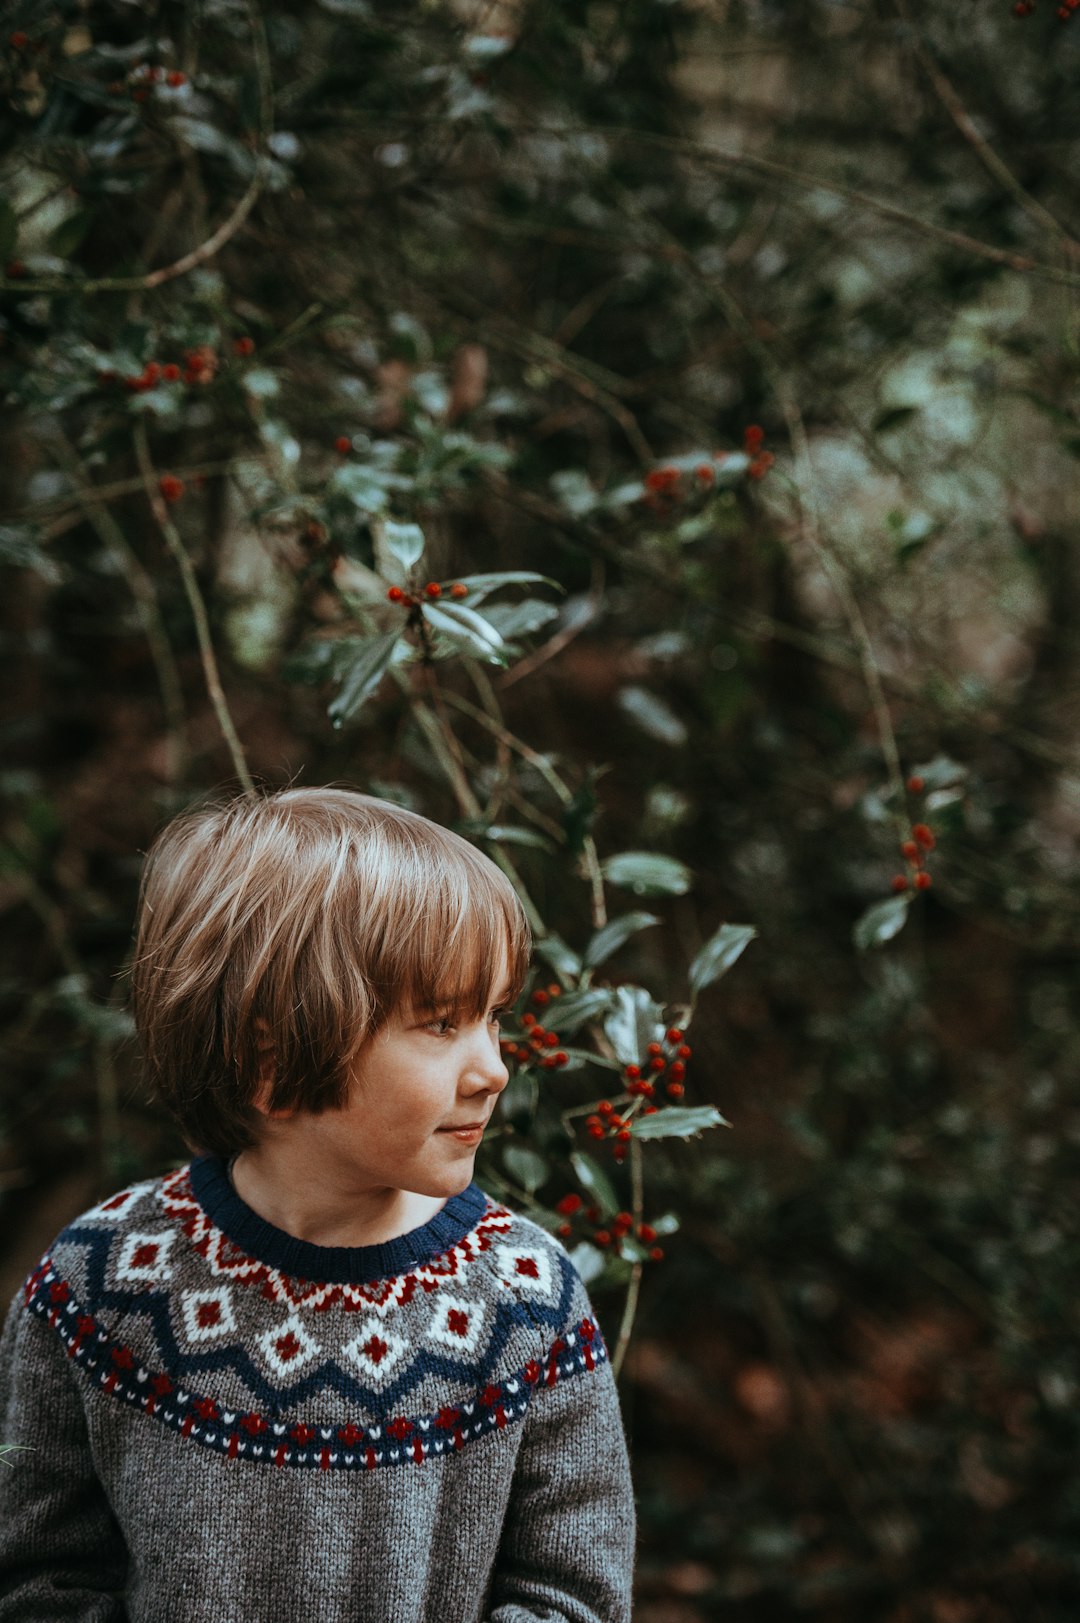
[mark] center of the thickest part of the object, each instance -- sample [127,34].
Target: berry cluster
[200,365]
[572,1205]
[432,591]
[664,485]
[1024,8]
[540,1046]
[142,78]
[657,1062]
[171,487]
[917,846]
[760,461]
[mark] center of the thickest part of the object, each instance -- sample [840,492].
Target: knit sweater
[224,1424]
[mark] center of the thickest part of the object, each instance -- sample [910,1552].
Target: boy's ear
[265,1086]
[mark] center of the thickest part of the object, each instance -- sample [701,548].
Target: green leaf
[520,619]
[528,1169]
[589,1262]
[9,230]
[481,586]
[592,1177]
[508,834]
[647,873]
[633,1022]
[608,940]
[882,921]
[563,959]
[467,628]
[574,1009]
[369,659]
[719,953]
[652,714]
[405,541]
[677,1122]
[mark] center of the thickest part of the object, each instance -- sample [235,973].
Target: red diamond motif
[208,1313]
[144,1256]
[375,1349]
[457,1322]
[287,1347]
[527,1265]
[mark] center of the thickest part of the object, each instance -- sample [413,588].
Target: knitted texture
[223,1422]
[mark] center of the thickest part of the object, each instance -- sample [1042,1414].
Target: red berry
[923,881]
[562,1057]
[432,589]
[654,1048]
[753,435]
[171,487]
[673,1034]
[547,1063]
[925,836]
[650,1110]
[244,346]
[632,1072]
[899,882]
[551,1038]
[647,1233]
[910,850]
[176,79]
[395,594]
[540,998]
[623,1134]
[170,372]
[605,1107]
[916,784]
[657,1062]
[760,465]
[677,1071]
[602,1237]
[343,445]
[554,990]
[565,1230]
[656,1254]
[704,473]
[459,590]
[528,1019]
[675,1090]
[684,1051]
[596,1132]
[593,1214]
[569,1204]
[661,479]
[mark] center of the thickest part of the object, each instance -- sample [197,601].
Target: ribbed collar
[329,1264]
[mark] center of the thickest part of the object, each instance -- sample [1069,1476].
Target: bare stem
[197,605]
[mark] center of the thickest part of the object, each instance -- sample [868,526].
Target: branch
[198,608]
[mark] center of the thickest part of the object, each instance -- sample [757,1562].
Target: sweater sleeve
[62,1557]
[566,1554]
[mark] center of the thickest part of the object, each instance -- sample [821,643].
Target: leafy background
[291,291]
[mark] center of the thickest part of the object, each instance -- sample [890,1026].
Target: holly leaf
[647,873]
[528,1169]
[404,541]
[568,1013]
[607,941]
[719,953]
[592,1177]
[367,661]
[633,1022]
[882,921]
[467,629]
[678,1122]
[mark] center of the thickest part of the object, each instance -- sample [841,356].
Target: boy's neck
[309,1206]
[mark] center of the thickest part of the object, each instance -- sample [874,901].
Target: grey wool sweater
[218,1423]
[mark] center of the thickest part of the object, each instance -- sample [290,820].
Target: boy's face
[414,1082]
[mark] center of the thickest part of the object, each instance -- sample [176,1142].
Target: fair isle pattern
[227,1261]
[266,1438]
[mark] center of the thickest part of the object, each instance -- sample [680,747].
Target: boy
[318,1373]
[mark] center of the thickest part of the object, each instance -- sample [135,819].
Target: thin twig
[197,605]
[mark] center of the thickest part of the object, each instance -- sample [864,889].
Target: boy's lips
[465,1127]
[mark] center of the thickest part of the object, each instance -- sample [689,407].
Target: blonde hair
[321,912]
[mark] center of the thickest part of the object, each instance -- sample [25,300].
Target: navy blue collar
[329,1264]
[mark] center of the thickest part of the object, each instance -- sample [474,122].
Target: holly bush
[645,439]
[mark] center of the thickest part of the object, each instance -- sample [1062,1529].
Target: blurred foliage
[745,336]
